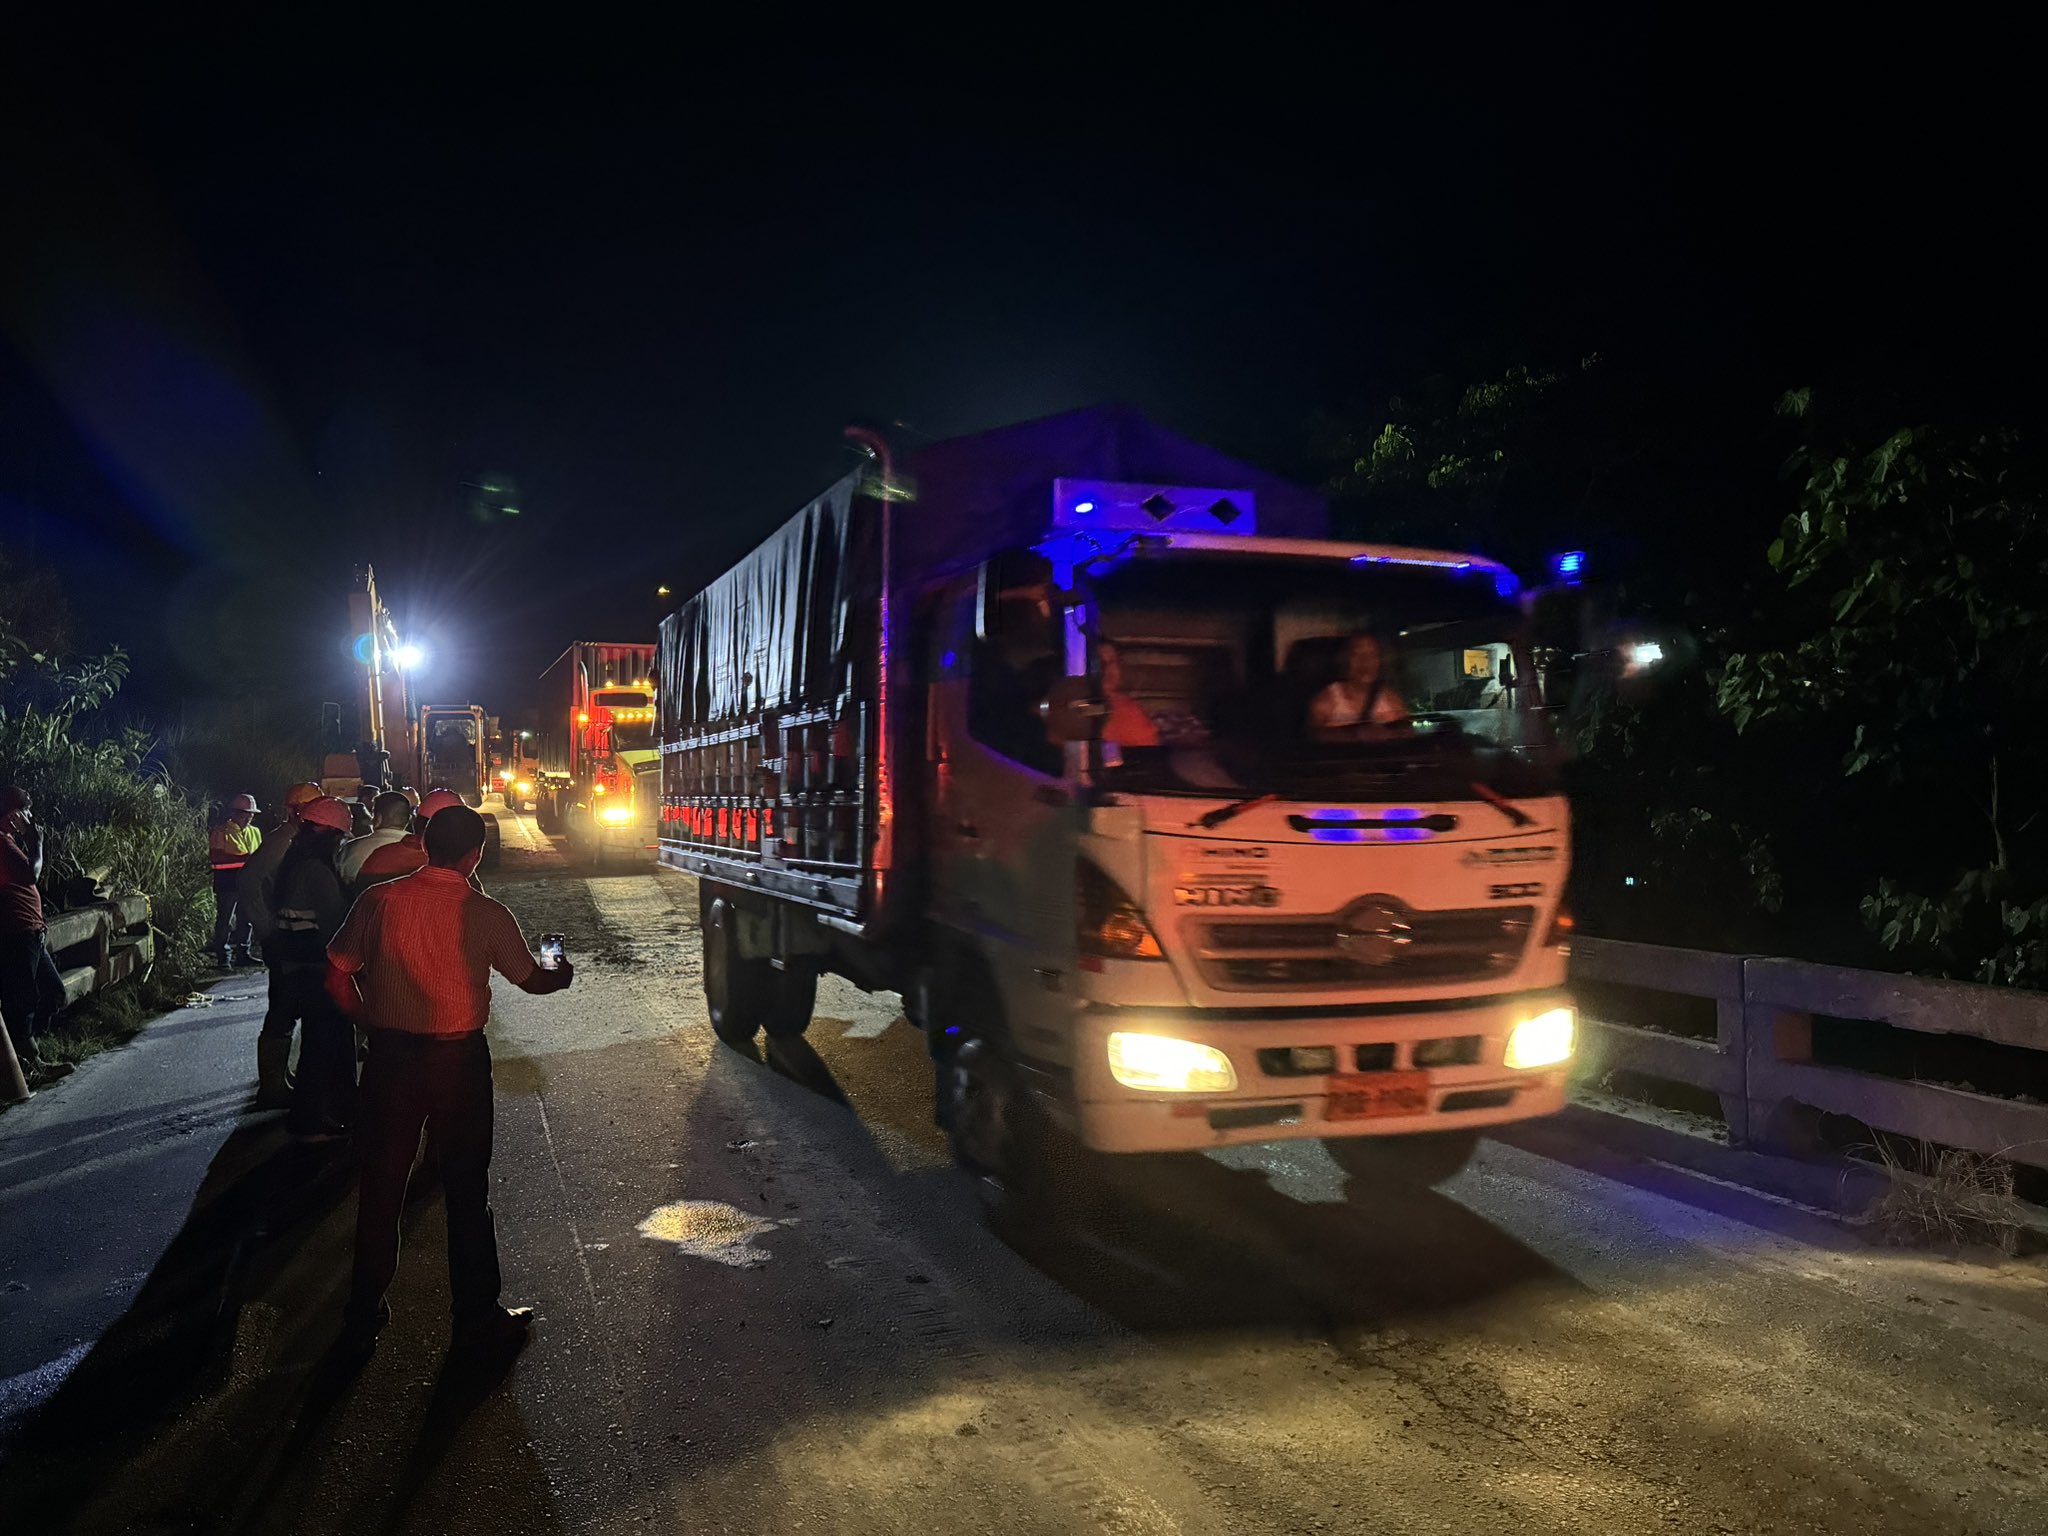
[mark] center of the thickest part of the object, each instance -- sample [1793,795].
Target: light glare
[1543,1041]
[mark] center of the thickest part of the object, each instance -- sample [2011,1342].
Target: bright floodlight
[1646,653]
[408,656]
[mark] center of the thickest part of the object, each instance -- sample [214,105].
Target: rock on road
[767,1305]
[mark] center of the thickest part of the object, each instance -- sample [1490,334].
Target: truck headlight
[1543,1041]
[523,787]
[615,815]
[1169,1066]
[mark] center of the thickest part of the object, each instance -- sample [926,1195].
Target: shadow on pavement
[219,1402]
[179,1339]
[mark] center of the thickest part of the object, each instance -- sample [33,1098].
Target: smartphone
[551,951]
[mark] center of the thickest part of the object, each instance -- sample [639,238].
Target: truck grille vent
[1371,943]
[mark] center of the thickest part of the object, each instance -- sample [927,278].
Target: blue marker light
[1569,566]
[946,662]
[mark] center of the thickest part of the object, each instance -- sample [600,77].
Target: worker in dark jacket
[311,903]
[257,892]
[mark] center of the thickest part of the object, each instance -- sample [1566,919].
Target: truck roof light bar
[1130,506]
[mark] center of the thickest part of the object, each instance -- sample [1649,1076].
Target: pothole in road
[711,1229]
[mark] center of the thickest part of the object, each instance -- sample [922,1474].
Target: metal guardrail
[94,947]
[1760,1061]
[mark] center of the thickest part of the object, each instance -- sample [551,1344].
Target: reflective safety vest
[230,845]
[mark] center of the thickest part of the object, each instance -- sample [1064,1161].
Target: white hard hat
[242,803]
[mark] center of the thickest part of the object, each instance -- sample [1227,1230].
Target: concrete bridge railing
[94,947]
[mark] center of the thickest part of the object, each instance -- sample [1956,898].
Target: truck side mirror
[1015,599]
[1073,711]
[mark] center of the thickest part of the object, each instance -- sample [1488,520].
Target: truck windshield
[630,714]
[1308,675]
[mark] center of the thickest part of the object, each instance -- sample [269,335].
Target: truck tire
[1408,1161]
[792,998]
[737,991]
[1031,1178]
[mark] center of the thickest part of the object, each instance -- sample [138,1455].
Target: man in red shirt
[410,851]
[31,990]
[413,964]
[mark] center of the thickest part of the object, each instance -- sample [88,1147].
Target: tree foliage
[1907,630]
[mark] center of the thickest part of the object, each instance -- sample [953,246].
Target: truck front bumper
[626,841]
[1460,1074]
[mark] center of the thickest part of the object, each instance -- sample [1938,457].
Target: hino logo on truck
[1226,895]
[1249,851]
[1546,854]
[1514,892]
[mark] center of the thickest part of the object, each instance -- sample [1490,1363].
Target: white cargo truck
[1176,824]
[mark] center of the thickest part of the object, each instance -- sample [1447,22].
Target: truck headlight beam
[1544,1041]
[1167,1065]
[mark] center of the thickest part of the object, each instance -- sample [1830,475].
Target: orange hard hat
[300,796]
[438,800]
[326,811]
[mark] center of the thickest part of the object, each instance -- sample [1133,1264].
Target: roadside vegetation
[113,814]
[1834,760]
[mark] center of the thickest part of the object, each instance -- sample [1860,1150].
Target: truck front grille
[1371,943]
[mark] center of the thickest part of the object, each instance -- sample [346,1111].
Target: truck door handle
[966,829]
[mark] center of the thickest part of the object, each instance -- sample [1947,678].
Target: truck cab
[1250,839]
[618,726]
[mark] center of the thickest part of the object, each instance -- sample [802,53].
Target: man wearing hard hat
[257,891]
[233,839]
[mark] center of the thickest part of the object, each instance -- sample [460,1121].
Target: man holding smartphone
[412,964]
[31,990]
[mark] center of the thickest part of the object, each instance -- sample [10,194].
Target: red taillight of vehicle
[1109,925]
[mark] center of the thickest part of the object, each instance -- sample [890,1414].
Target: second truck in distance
[596,762]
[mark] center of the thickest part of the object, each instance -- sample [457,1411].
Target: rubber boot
[273,1075]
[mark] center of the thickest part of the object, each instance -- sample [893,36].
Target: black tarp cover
[792,625]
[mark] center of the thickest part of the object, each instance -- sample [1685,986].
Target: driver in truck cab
[1362,694]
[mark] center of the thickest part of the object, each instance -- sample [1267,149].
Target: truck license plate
[1369,1095]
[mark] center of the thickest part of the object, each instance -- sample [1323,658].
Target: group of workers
[379,945]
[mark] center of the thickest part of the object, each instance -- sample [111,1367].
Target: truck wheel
[1032,1179]
[736,990]
[792,997]
[1410,1161]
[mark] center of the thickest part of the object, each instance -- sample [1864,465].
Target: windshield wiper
[1505,806]
[1211,819]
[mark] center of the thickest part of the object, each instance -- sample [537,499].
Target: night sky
[276,297]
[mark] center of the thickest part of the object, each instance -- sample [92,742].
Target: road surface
[766,1306]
